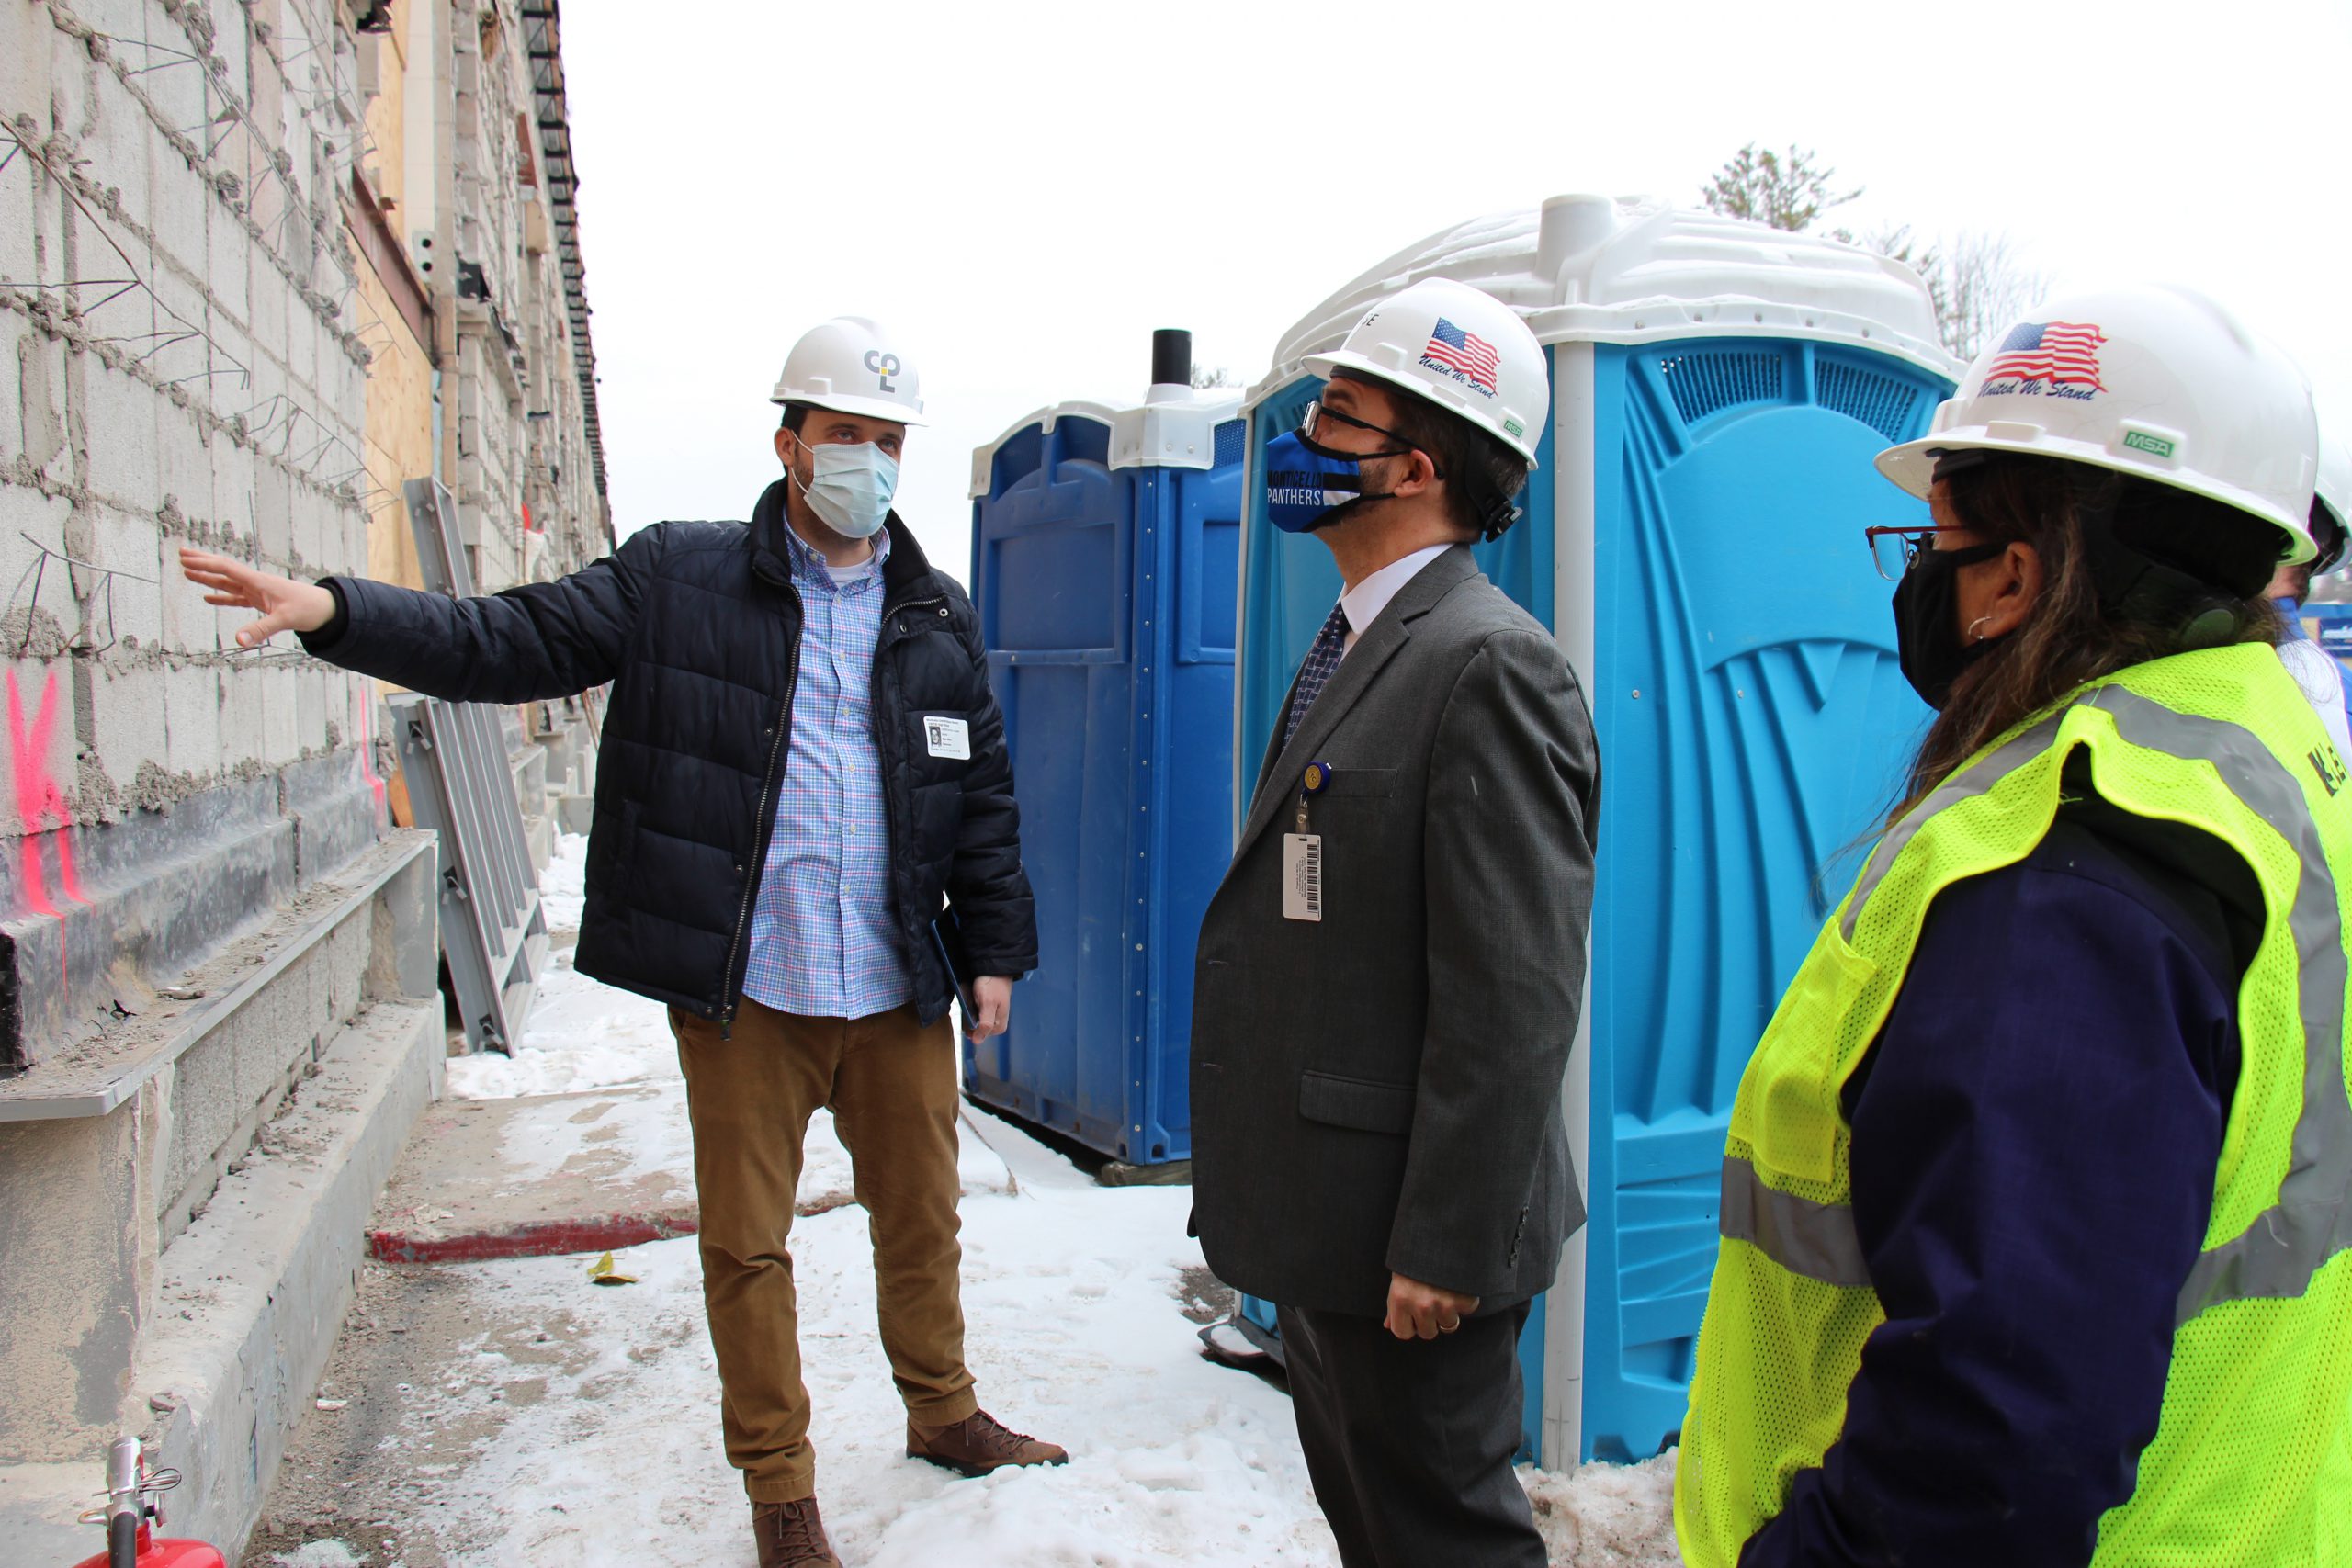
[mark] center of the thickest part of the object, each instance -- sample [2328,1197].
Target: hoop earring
[1975,636]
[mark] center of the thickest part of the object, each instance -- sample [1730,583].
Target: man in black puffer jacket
[801,758]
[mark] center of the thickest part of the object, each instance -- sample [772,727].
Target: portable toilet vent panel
[1105,547]
[1693,536]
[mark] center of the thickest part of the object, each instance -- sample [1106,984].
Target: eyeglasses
[1312,421]
[1896,550]
[1310,424]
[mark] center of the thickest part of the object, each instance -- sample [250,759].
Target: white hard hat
[2334,498]
[1458,347]
[848,364]
[2335,481]
[2158,383]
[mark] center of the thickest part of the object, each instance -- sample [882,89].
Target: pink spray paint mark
[40,799]
[367,743]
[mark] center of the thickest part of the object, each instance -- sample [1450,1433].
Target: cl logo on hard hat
[884,366]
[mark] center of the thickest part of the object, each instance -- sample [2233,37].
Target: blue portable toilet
[1105,547]
[1693,537]
[2330,626]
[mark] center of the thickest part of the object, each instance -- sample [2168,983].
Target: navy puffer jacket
[697,628]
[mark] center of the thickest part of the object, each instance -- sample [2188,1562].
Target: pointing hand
[285,604]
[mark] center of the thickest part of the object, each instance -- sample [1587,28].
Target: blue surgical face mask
[1309,486]
[850,487]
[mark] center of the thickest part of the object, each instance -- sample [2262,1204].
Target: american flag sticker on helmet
[2063,353]
[1463,355]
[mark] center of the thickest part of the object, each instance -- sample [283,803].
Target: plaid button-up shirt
[822,941]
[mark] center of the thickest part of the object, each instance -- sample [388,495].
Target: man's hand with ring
[1417,1311]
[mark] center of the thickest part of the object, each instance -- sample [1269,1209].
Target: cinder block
[229,41]
[179,308]
[351,531]
[122,423]
[175,85]
[28,512]
[192,723]
[240,694]
[18,187]
[38,742]
[300,350]
[232,363]
[272,512]
[179,200]
[40,388]
[184,465]
[108,308]
[131,604]
[230,256]
[310,707]
[189,623]
[266,405]
[309,539]
[124,22]
[14,331]
[25,64]
[69,84]
[232,481]
[281,730]
[265,197]
[128,708]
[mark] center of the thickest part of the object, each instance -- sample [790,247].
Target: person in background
[2320,676]
[1389,977]
[801,758]
[2034,1245]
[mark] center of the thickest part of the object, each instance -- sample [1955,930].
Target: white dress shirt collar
[1364,602]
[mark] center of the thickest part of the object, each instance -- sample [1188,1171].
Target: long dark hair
[2131,570]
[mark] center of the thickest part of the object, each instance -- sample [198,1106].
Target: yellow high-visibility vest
[2251,1462]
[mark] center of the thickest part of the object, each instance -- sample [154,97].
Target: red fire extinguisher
[133,1508]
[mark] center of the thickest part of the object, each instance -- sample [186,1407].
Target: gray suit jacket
[1379,1092]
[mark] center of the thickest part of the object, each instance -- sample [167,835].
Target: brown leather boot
[978,1444]
[792,1535]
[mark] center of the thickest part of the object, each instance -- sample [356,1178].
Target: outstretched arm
[531,643]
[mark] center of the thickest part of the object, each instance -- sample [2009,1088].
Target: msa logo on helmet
[2141,441]
[2058,359]
[1464,356]
[884,366]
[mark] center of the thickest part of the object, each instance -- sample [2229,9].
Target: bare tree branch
[1785,191]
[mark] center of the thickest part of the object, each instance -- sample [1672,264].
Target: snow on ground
[563,886]
[1071,1299]
[1074,1333]
[580,1035]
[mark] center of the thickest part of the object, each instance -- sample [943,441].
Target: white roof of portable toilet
[1633,269]
[1176,428]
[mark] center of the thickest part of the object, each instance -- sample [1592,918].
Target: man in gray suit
[1389,977]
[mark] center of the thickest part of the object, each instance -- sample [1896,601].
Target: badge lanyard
[1303,854]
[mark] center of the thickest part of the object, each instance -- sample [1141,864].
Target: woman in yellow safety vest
[2037,1204]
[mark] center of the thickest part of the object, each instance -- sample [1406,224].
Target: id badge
[1302,876]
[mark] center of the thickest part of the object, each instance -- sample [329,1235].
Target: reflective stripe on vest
[2312,1220]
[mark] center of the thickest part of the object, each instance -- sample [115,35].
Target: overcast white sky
[1024,190]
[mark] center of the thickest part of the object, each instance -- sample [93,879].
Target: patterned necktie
[1321,660]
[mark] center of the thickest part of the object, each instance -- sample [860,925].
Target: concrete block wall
[178,364]
[208,934]
[507,460]
[95,1203]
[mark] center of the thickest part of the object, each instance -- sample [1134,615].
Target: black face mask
[1925,639]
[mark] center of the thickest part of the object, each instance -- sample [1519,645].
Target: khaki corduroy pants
[890,1084]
